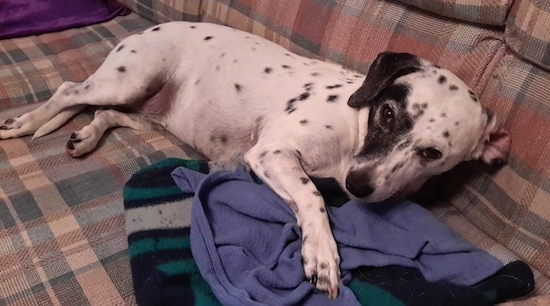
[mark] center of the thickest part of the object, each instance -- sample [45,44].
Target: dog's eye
[431,153]
[387,114]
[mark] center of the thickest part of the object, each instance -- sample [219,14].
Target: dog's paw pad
[8,124]
[81,142]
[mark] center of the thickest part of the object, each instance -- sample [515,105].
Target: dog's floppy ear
[494,145]
[387,67]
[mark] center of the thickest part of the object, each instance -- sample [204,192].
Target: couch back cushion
[352,33]
[161,11]
[488,12]
[528,31]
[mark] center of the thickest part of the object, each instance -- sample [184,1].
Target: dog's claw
[74,139]
[313,279]
[70,144]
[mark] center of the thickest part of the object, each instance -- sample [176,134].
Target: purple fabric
[32,17]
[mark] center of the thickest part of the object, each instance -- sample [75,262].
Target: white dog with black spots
[226,92]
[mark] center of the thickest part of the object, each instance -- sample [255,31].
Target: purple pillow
[33,17]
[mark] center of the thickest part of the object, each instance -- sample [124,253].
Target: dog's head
[423,120]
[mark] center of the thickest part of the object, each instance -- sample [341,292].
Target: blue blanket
[246,243]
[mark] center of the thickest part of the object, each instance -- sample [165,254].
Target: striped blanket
[158,220]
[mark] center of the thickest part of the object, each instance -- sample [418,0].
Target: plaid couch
[62,237]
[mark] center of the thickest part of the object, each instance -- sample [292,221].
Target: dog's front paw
[321,262]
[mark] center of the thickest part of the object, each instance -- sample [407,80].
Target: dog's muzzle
[357,183]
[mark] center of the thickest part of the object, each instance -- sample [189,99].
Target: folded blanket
[165,273]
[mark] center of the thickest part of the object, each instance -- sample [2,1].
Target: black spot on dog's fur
[322,210]
[316,193]
[290,105]
[223,139]
[304,180]
[263,154]
[303,96]
[120,48]
[121,69]
[285,66]
[334,86]
[404,144]
[457,123]
[266,174]
[472,95]
[87,87]
[328,127]
[397,167]
[332,98]
[308,86]
[192,27]
[315,74]
[446,134]
[155,29]
[133,51]
[238,87]
[303,122]
[299,153]
[442,79]
[453,87]
[431,120]
[268,69]
[222,55]
[277,152]
[208,37]
[443,115]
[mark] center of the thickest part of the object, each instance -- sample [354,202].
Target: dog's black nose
[358,185]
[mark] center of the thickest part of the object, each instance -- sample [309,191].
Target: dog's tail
[58,120]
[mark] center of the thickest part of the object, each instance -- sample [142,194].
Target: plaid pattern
[62,238]
[354,32]
[528,31]
[511,205]
[160,11]
[489,12]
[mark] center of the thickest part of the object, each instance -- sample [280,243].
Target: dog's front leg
[280,168]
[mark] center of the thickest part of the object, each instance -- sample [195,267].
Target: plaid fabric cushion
[528,31]
[62,237]
[490,12]
[165,10]
[511,205]
[354,32]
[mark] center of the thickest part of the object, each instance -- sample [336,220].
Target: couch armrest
[161,11]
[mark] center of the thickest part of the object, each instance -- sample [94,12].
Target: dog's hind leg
[85,140]
[125,78]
